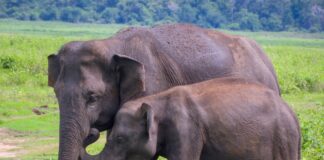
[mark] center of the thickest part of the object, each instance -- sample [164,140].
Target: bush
[314,29]
[232,26]
[7,62]
[272,23]
[48,14]
[249,21]
[70,14]
[109,15]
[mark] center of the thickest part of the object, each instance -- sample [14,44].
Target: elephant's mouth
[93,136]
[102,126]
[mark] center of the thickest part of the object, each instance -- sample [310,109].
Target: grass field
[298,59]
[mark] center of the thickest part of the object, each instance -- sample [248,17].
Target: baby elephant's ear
[151,126]
[53,69]
[147,114]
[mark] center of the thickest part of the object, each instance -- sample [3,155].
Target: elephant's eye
[91,98]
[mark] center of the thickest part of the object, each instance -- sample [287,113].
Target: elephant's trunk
[70,145]
[92,137]
[74,128]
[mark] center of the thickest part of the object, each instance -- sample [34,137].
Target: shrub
[7,62]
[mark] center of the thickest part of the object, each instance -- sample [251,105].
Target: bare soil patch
[9,141]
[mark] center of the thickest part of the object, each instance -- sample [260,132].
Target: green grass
[298,59]
[59,29]
[310,111]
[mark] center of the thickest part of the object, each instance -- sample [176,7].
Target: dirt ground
[9,143]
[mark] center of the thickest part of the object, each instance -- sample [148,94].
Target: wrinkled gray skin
[223,119]
[92,79]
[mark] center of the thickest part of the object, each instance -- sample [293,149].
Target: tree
[187,13]
[48,14]
[235,14]
[273,23]
[109,15]
[70,14]
[248,21]
[210,15]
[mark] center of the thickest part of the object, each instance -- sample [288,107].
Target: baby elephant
[217,119]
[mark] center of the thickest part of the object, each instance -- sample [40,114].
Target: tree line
[254,15]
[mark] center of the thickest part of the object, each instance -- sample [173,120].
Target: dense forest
[254,15]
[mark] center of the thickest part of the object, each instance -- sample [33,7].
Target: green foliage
[273,23]
[293,68]
[70,14]
[310,112]
[209,12]
[248,21]
[109,15]
[251,15]
[298,59]
[7,62]
[49,14]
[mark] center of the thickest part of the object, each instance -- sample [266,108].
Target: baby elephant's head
[134,134]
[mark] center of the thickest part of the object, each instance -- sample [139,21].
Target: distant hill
[269,15]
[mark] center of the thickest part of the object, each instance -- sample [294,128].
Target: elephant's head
[134,134]
[90,84]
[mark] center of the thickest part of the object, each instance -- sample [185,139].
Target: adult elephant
[93,78]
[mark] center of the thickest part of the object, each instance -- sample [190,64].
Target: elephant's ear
[147,114]
[53,69]
[131,77]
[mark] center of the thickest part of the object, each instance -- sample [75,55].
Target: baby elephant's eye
[120,139]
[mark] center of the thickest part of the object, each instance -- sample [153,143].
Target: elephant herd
[175,90]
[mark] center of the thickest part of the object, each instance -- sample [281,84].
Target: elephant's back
[210,54]
[198,55]
[233,118]
[186,47]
